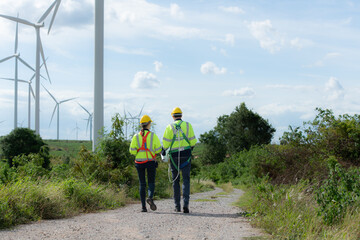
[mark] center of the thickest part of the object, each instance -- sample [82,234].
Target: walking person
[179,140]
[145,145]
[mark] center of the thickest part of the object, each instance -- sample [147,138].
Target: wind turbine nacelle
[39,25]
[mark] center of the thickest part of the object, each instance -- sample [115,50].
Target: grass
[66,148]
[290,212]
[205,200]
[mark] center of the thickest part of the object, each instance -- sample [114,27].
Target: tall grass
[291,212]
[26,200]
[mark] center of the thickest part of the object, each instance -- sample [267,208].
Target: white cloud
[235,10]
[300,43]
[145,80]
[268,37]
[230,39]
[158,66]
[332,55]
[334,89]
[242,92]
[175,11]
[129,51]
[210,67]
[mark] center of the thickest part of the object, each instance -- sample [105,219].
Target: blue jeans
[151,172]
[185,172]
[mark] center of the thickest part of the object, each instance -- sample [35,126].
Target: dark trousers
[185,172]
[151,172]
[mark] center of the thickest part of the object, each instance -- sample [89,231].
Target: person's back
[179,139]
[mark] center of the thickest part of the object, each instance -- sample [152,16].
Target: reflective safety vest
[182,138]
[145,147]
[170,131]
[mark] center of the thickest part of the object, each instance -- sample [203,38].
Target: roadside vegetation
[56,179]
[306,187]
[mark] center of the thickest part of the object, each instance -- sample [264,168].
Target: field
[66,148]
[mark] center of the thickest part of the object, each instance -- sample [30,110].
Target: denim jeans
[185,172]
[151,172]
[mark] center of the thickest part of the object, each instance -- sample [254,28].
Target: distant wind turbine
[77,131]
[89,120]
[31,92]
[57,107]
[135,119]
[17,57]
[39,51]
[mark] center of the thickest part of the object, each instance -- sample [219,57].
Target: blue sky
[282,58]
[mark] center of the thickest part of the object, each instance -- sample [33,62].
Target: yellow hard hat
[145,119]
[176,111]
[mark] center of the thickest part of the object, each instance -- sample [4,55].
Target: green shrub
[215,148]
[24,141]
[337,193]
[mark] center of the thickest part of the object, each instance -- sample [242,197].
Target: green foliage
[91,167]
[337,193]
[243,128]
[27,200]
[24,141]
[114,147]
[215,149]
[330,136]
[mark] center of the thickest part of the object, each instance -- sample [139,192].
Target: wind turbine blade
[16,36]
[84,108]
[57,105]
[7,58]
[47,12]
[32,78]
[20,20]
[130,115]
[32,91]
[53,17]
[66,100]
[26,64]
[141,110]
[50,94]
[9,79]
[44,60]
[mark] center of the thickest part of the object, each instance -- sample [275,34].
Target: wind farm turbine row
[39,52]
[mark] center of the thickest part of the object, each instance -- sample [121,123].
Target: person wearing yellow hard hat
[145,145]
[178,141]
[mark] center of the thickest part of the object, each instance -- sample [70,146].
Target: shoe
[143,210]
[151,203]
[186,210]
[177,209]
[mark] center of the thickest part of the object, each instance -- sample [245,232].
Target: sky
[282,58]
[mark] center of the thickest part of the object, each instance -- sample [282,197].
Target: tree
[243,128]
[215,149]
[24,141]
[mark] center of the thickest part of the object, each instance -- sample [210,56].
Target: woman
[145,145]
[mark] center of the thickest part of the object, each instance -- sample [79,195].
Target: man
[179,140]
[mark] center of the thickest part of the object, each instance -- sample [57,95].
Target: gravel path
[210,218]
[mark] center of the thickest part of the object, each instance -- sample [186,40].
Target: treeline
[306,187]
[35,185]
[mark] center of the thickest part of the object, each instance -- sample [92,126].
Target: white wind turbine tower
[77,131]
[30,92]
[57,107]
[39,51]
[89,120]
[17,57]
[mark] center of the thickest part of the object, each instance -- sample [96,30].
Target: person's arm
[133,146]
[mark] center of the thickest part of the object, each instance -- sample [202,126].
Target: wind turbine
[135,119]
[89,120]
[31,92]
[57,107]
[39,51]
[17,57]
[77,131]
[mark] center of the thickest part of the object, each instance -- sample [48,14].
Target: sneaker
[186,210]
[151,203]
[177,209]
[143,210]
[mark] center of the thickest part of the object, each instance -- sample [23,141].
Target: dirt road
[211,217]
